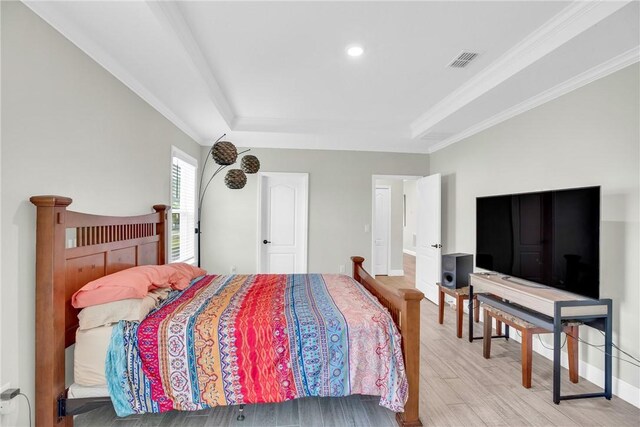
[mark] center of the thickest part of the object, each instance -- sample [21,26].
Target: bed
[74,248]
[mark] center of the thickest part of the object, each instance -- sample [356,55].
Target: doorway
[283,200]
[393,227]
[414,242]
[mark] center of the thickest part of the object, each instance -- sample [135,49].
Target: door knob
[265,241]
[437,246]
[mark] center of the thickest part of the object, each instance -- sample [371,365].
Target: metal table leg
[471,313]
[608,349]
[557,331]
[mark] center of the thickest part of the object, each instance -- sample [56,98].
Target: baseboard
[395,273]
[620,388]
[408,252]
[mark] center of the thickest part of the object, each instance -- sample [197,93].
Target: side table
[460,295]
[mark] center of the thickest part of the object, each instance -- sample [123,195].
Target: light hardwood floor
[458,388]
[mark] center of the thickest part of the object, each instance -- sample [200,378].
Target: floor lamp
[225,154]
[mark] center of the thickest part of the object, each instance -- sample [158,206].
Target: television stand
[548,308]
[523,282]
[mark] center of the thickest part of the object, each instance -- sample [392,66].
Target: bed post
[161,229]
[410,331]
[50,308]
[357,265]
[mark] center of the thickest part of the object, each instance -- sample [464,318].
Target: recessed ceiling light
[355,50]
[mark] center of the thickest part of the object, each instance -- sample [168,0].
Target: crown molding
[50,14]
[319,127]
[338,142]
[169,15]
[436,136]
[599,71]
[571,21]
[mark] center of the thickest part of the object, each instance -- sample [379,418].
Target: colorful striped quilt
[228,340]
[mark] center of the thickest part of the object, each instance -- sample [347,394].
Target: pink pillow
[188,273]
[133,282]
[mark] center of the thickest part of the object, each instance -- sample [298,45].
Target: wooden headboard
[73,249]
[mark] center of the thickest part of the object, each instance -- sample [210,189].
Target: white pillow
[133,309]
[90,355]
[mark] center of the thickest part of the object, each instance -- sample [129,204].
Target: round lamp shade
[250,164]
[235,179]
[224,153]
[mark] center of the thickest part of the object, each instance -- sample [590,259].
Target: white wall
[395,241]
[2,380]
[340,185]
[587,137]
[410,190]
[68,128]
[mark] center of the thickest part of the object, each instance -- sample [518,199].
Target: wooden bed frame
[102,245]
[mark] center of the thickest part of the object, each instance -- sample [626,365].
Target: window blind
[183,208]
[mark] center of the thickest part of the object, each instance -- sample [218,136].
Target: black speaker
[456,269]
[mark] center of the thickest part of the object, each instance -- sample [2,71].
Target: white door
[381,230]
[282,226]
[428,247]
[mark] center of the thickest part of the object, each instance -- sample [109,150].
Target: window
[183,206]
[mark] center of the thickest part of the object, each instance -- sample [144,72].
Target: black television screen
[550,237]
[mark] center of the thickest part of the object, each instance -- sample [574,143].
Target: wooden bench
[460,294]
[527,330]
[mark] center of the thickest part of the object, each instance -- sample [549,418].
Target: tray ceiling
[276,74]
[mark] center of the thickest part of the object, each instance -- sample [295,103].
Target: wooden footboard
[404,306]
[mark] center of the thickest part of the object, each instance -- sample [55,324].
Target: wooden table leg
[486,339]
[440,306]
[498,327]
[572,352]
[459,313]
[527,355]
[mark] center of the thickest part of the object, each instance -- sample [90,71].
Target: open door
[428,245]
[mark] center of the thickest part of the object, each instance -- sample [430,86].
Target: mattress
[77,391]
[90,355]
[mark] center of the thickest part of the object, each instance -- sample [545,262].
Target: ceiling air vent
[463,59]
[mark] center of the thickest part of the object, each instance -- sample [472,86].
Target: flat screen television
[549,237]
